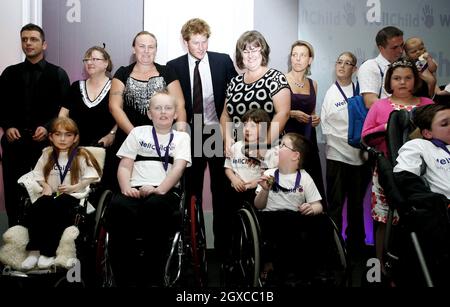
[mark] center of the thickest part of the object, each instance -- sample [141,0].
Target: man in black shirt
[32,92]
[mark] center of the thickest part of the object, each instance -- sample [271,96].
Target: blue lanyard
[165,163]
[62,174]
[277,187]
[440,144]
[342,92]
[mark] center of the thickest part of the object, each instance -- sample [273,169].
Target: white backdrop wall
[227,19]
[278,22]
[334,26]
[13,15]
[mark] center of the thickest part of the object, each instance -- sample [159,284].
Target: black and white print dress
[242,97]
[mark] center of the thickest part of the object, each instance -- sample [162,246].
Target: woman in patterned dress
[259,87]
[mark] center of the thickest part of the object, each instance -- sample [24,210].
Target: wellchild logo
[340,103]
[321,18]
[428,18]
[445,20]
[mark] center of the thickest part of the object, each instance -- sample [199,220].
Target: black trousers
[46,220]
[19,157]
[351,181]
[294,243]
[141,226]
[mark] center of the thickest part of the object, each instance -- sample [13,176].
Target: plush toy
[66,254]
[14,252]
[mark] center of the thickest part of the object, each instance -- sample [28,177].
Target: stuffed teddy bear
[14,252]
[66,254]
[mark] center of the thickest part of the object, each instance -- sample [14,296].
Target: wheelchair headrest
[386,179]
[399,127]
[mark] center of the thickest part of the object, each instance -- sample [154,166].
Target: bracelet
[112,132]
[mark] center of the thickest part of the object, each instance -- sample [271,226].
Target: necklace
[299,84]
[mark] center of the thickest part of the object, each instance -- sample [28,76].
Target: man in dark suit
[204,77]
[32,92]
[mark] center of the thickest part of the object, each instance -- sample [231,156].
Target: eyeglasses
[167,108]
[251,52]
[345,63]
[284,145]
[94,60]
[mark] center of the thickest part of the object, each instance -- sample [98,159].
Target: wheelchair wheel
[174,264]
[103,268]
[245,265]
[105,277]
[338,266]
[198,242]
[103,201]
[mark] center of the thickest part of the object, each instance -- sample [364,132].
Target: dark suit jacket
[222,70]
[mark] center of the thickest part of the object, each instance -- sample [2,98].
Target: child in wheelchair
[153,159]
[249,157]
[292,225]
[422,174]
[64,171]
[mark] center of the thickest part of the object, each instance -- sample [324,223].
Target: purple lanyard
[342,92]
[440,144]
[62,174]
[165,163]
[277,187]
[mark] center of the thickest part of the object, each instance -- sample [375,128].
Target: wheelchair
[186,263]
[85,220]
[245,266]
[402,240]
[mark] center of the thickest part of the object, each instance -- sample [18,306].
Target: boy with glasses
[292,224]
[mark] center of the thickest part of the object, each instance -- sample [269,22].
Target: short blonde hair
[195,26]
[162,92]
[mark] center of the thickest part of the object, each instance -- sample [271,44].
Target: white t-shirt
[369,76]
[334,121]
[437,162]
[140,142]
[54,180]
[238,162]
[306,193]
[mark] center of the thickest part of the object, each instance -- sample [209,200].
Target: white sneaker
[31,261]
[45,262]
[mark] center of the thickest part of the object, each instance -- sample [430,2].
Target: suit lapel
[185,75]
[213,66]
